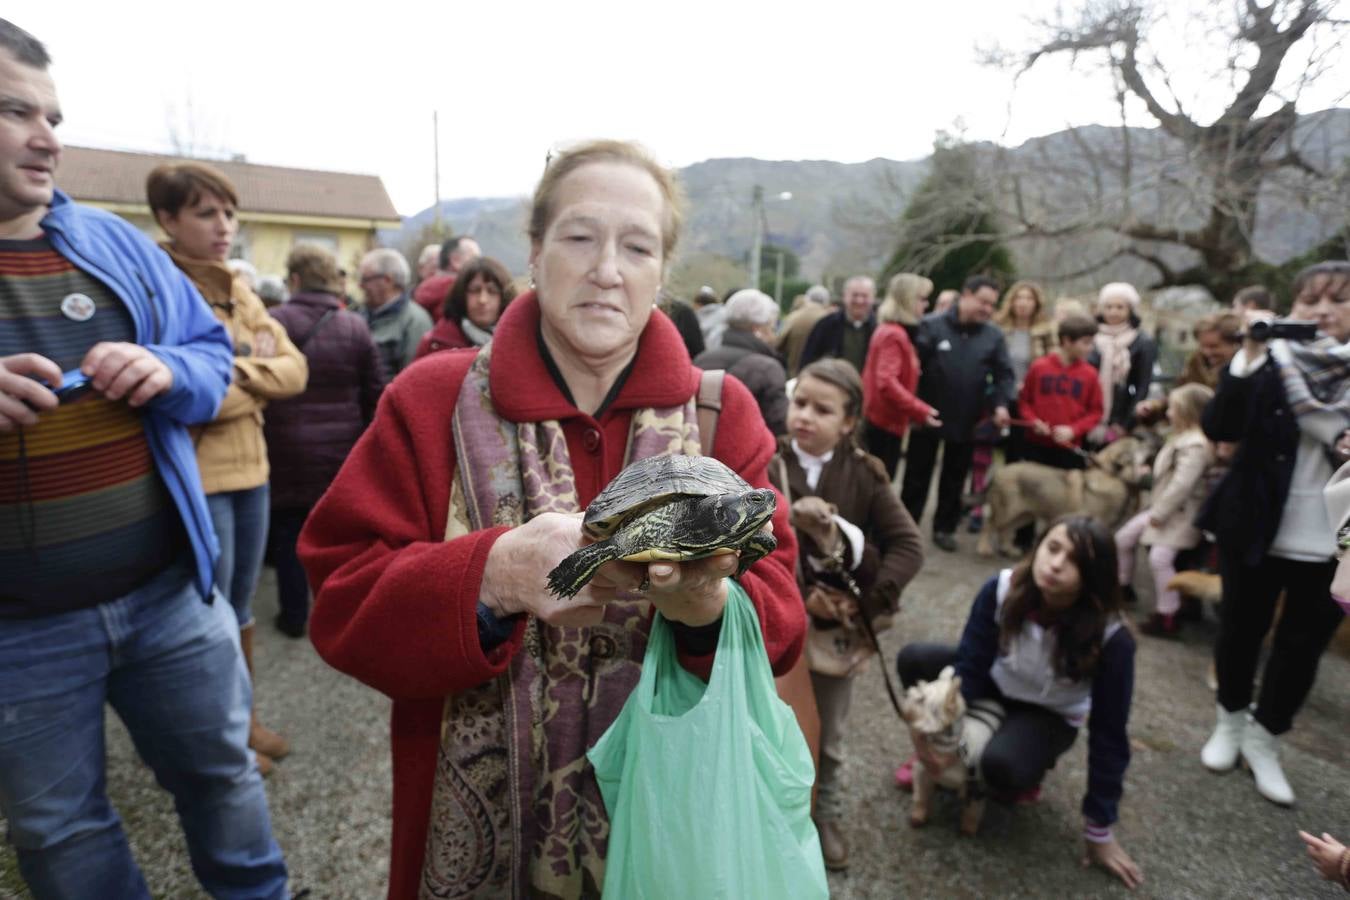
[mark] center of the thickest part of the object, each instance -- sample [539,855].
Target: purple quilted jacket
[309,435]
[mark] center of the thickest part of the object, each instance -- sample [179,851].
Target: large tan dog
[1024,492]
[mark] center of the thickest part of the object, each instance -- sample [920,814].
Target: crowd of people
[415,464]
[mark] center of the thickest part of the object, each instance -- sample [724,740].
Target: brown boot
[832,845]
[262,740]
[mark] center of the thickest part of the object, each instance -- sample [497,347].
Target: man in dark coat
[845,334]
[965,368]
[745,353]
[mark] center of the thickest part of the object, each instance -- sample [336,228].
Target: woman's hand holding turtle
[515,579]
[1113,858]
[694,592]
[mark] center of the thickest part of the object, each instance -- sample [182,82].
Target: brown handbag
[794,688]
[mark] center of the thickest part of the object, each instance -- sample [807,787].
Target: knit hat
[1119,289]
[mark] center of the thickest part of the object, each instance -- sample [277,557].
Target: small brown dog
[949,740]
[1025,492]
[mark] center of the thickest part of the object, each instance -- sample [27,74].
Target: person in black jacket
[846,333]
[746,354]
[964,364]
[1287,405]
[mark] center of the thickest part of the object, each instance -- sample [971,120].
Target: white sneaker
[1260,751]
[1221,750]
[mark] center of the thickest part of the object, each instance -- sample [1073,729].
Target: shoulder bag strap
[709,405]
[314,329]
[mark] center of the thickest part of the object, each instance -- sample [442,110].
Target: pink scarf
[1113,346]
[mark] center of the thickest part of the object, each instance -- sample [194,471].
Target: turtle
[670,507]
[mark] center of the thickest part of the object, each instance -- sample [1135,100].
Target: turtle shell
[655,480]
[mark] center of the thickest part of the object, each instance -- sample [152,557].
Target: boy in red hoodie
[1062,397]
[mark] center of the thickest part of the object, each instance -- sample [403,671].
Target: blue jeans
[240,519]
[171,668]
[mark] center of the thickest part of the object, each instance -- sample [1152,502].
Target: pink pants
[1161,560]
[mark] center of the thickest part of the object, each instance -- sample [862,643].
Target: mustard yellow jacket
[231,451]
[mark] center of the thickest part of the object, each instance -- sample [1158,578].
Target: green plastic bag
[708,787]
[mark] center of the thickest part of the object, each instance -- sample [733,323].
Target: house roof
[116,176]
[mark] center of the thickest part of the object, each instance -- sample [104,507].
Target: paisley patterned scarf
[515,809]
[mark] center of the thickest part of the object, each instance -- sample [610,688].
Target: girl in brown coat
[858,550]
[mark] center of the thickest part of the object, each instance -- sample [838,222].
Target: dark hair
[1255,296]
[1227,325]
[456,303]
[842,375]
[978,282]
[448,248]
[23,46]
[172,186]
[1075,327]
[1336,270]
[1082,627]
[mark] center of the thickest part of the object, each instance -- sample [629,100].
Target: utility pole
[757,246]
[436,165]
[778,289]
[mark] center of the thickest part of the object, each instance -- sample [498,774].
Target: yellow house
[278,207]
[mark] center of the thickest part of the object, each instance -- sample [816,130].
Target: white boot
[1221,750]
[1260,751]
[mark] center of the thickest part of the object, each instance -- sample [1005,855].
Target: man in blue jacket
[107,353]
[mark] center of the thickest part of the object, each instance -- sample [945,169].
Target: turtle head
[737,517]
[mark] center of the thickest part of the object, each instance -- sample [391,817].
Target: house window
[325,239]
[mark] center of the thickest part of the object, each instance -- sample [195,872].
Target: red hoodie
[1060,395]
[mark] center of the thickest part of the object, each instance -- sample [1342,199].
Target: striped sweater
[84,516]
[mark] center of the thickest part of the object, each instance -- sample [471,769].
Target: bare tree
[1206,180]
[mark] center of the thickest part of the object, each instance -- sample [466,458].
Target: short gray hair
[25,48]
[862,279]
[384,261]
[271,290]
[244,269]
[749,308]
[429,252]
[818,293]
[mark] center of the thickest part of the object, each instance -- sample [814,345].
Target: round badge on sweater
[78,307]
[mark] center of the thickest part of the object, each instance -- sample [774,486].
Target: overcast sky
[317,85]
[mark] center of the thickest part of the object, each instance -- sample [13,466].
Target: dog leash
[1072,448]
[834,563]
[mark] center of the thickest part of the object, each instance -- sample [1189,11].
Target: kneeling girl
[1046,639]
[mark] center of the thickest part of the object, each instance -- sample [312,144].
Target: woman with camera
[1288,404]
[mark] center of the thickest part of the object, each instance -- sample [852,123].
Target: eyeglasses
[371,277]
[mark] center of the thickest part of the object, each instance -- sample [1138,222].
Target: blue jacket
[173,322]
[1112,692]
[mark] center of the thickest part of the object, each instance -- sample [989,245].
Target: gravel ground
[1193,833]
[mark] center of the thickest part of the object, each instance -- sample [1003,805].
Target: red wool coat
[445,335]
[394,604]
[890,378]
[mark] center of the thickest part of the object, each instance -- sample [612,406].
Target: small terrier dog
[954,738]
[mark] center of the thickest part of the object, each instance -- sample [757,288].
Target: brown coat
[1179,490]
[856,483]
[231,452]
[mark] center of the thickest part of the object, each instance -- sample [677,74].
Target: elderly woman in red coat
[429,553]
